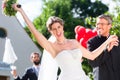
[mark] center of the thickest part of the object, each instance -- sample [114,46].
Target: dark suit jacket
[30,74]
[107,65]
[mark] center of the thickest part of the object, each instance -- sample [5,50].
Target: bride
[67,52]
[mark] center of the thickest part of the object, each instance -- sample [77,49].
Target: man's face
[103,27]
[35,59]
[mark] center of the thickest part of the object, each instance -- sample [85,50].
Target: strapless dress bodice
[69,62]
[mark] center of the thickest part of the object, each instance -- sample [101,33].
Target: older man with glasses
[107,65]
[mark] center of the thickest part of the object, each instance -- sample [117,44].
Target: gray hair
[106,17]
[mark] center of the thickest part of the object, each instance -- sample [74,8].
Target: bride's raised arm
[44,43]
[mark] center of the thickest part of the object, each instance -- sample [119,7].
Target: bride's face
[57,30]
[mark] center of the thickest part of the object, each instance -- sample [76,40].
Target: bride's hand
[17,7]
[111,45]
[113,40]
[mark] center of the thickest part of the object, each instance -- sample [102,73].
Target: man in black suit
[107,65]
[31,73]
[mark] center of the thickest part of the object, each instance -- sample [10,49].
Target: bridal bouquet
[7,7]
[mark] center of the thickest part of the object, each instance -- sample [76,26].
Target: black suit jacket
[30,74]
[107,65]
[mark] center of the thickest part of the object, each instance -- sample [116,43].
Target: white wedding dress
[69,62]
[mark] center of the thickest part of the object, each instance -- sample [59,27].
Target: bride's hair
[53,19]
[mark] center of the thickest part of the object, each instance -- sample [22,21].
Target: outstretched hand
[14,73]
[16,7]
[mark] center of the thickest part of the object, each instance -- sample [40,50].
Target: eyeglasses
[102,24]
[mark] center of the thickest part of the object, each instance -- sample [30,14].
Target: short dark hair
[34,53]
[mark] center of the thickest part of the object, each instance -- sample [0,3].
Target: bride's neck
[62,41]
